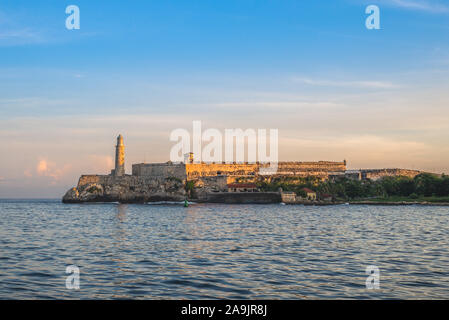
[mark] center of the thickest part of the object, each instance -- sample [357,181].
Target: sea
[51,250]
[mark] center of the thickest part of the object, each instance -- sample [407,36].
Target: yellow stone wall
[194,171]
[320,168]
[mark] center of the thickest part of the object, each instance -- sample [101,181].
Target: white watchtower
[119,157]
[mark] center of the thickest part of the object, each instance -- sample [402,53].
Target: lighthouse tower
[119,157]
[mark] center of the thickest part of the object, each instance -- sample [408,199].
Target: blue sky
[334,89]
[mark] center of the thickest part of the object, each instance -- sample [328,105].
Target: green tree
[443,190]
[354,189]
[426,184]
[405,186]
[302,193]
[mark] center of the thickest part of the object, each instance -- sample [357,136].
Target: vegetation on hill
[423,187]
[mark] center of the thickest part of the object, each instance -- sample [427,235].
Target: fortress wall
[196,170]
[310,167]
[376,174]
[161,170]
[243,197]
[213,183]
[321,169]
[206,185]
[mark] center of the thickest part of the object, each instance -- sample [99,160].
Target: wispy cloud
[368,151]
[277,104]
[428,6]
[48,169]
[3,180]
[13,33]
[101,163]
[350,84]
[27,173]
[30,102]
[20,35]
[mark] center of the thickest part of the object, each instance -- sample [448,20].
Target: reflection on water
[121,212]
[120,242]
[222,251]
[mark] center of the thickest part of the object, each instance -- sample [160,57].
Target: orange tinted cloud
[49,169]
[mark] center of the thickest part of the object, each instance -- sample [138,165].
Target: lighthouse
[119,157]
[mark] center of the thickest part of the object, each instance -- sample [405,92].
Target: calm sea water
[222,251]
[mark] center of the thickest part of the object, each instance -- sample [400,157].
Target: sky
[311,69]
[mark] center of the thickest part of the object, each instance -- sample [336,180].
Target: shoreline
[304,203]
[372,203]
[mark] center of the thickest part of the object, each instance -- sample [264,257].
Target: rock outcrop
[125,189]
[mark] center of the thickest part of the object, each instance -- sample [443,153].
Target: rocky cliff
[125,189]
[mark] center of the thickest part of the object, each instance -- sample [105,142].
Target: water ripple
[222,251]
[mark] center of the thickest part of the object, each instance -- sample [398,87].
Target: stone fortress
[150,182]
